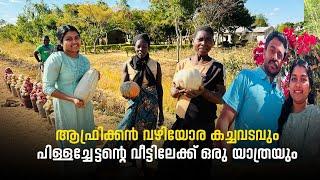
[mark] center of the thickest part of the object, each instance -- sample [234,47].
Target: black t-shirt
[200,111]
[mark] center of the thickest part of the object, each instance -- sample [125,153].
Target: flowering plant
[303,46]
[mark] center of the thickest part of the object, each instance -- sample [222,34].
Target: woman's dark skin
[202,44]
[142,48]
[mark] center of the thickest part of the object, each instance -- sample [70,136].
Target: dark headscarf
[140,65]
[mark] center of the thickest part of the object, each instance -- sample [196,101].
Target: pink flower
[289,33]
[317,56]
[261,44]
[302,46]
[305,43]
[285,85]
[258,54]
[259,60]
[286,92]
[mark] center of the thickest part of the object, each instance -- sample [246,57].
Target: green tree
[141,21]
[30,22]
[122,19]
[312,16]
[123,5]
[2,22]
[260,20]
[174,12]
[8,31]
[298,27]
[281,26]
[70,15]
[94,20]
[223,14]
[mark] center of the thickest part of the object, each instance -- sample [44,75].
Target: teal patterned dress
[142,112]
[63,73]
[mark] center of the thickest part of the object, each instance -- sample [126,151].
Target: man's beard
[267,69]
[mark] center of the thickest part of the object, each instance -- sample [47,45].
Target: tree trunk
[94,45]
[218,35]
[188,36]
[316,101]
[217,39]
[94,48]
[178,39]
[106,38]
[85,47]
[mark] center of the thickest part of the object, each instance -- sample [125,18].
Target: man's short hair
[281,37]
[45,37]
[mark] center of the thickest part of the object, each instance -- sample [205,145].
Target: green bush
[233,65]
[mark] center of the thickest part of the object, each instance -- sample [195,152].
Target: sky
[276,11]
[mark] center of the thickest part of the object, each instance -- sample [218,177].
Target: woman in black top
[196,109]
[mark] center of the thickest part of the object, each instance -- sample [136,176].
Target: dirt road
[23,133]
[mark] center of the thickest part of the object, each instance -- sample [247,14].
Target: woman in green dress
[62,72]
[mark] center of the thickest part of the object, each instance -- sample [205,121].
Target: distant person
[44,51]
[59,48]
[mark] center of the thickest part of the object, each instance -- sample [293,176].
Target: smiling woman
[300,119]
[142,87]
[62,72]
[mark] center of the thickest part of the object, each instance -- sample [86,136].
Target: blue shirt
[257,103]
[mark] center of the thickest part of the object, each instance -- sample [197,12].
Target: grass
[21,51]
[312,16]
[110,66]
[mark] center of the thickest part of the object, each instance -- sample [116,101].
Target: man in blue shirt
[254,100]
